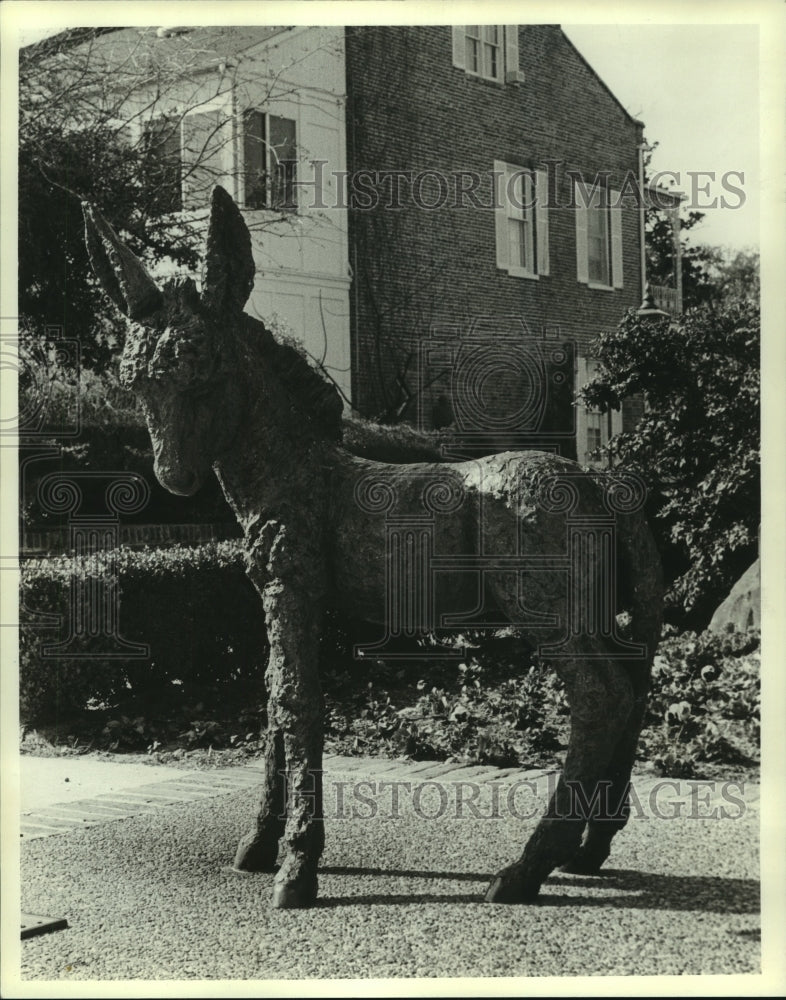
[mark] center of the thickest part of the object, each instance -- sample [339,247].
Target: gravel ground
[153,897]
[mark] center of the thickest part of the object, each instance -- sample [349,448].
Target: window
[489,51]
[594,433]
[484,50]
[521,219]
[593,428]
[598,259]
[162,165]
[185,157]
[269,161]
[598,236]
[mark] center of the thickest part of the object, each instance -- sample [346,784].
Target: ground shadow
[637,891]
[406,873]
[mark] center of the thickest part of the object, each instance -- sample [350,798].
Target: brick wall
[414,270]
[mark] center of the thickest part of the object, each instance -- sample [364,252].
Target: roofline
[602,82]
[676,197]
[71,36]
[74,37]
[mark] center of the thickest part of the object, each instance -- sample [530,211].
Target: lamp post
[648,309]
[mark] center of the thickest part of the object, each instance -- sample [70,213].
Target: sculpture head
[180,355]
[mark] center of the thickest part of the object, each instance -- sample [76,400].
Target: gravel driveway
[152,896]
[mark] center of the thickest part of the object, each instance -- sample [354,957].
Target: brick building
[471,287]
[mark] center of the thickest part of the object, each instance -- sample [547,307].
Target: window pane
[517,243]
[594,435]
[598,245]
[203,157]
[519,193]
[162,163]
[473,48]
[593,439]
[283,162]
[491,61]
[513,193]
[254,159]
[491,33]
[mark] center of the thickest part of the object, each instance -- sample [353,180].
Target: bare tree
[143,123]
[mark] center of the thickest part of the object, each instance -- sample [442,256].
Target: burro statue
[548,547]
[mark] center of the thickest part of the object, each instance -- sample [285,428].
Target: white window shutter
[581,412]
[616,241]
[616,422]
[500,213]
[459,47]
[512,72]
[542,219]
[527,199]
[582,264]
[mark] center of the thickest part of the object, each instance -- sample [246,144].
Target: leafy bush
[500,706]
[704,705]
[697,444]
[496,706]
[507,722]
[194,607]
[112,438]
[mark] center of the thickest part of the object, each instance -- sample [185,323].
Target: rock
[742,608]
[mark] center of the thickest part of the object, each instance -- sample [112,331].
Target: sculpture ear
[228,272]
[120,273]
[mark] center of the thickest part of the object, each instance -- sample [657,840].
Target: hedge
[202,620]
[193,606]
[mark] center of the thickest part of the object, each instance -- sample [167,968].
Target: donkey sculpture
[220,391]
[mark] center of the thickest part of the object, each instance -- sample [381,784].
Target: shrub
[194,607]
[697,444]
[112,437]
[501,706]
[496,706]
[507,722]
[704,705]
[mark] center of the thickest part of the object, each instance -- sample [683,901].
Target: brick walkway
[191,786]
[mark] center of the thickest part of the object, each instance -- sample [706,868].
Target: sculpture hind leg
[601,699]
[600,831]
[640,583]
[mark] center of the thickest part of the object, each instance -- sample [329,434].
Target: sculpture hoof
[294,895]
[255,854]
[584,864]
[506,890]
[581,867]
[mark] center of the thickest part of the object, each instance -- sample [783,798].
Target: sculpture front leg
[285,566]
[258,849]
[295,709]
